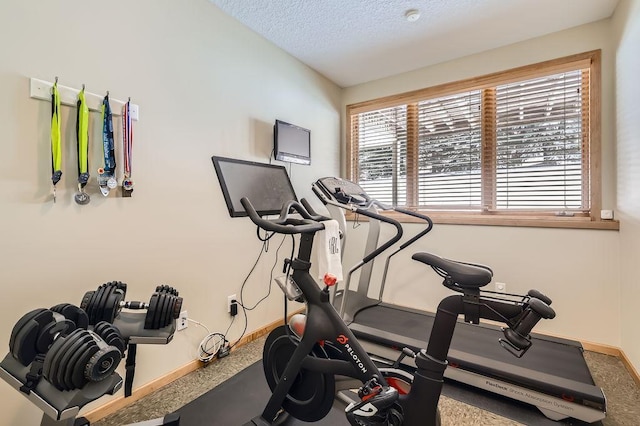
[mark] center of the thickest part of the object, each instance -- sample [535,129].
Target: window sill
[503,220]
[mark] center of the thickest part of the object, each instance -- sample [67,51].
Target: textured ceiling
[355,41]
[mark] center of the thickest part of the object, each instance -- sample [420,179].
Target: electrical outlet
[229,300]
[182,322]
[501,287]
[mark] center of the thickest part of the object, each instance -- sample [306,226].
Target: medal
[106,179]
[82,137]
[56,148]
[81,197]
[127,145]
[127,184]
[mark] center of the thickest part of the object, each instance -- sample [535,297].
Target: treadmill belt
[568,360]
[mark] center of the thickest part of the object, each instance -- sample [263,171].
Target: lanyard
[82,138]
[127,145]
[56,150]
[106,174]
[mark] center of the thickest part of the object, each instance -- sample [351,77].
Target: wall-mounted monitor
[291,143]
[267,186]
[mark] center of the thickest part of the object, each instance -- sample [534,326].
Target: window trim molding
[591,60]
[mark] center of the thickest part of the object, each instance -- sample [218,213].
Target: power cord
[212,346]
[263,249]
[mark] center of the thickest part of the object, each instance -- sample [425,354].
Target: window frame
[588,60]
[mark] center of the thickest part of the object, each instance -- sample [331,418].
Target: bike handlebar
[285,224]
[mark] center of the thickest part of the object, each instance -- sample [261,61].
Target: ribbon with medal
[56,149]
[106,175]
[82,139]
[127,145]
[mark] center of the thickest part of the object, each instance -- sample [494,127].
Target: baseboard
[121,402]
[614,351]
[630,368]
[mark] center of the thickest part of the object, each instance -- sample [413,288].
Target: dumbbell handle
[134,305]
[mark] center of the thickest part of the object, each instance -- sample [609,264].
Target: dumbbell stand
[131,326]
[60,408]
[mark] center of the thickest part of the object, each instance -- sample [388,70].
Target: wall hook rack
[40,89]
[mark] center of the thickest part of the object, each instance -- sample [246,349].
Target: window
[520,144]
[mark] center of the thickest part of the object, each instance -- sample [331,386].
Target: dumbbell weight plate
[111,335]
[112,305]
[100,327]
[73,359]
[18,326]
[106,294]
[102,364]
[151,310]
[52,359]
[166,289]
[93,304]
[164,313]
[85,302]
[162,298]
[73,313]
[119,285]
[177,308]
[110,288]
[25,345]
[50,331]
[168,309]
[67,351]
[87,351]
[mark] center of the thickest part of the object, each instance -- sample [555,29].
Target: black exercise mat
[240,399]
[244,396]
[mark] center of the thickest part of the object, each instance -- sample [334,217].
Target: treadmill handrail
[326,198]
[391,241]
[420,234]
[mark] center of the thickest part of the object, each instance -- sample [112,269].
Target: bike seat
[465,275]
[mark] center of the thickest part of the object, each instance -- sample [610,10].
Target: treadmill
[552,376]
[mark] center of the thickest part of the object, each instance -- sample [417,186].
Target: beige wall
[626,26]
[578,269]
[205,85]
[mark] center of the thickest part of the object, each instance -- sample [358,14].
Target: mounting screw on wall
[183,321]
[501,287]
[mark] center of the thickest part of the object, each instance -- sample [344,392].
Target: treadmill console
[343,191]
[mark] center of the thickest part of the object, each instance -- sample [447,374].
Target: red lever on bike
[329,280]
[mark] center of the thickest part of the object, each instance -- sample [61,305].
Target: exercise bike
[303,359]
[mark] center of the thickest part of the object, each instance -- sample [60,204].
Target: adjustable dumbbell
[163,307]
[37,330]
[104,304]
[83,356]
[107,301]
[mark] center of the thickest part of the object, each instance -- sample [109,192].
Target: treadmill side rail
[553,408]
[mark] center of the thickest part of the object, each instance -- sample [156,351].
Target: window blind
[518,142]
[450,144]
[539,158]
[382,153]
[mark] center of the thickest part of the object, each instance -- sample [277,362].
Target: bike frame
[323,323]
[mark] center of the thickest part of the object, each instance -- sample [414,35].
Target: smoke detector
[412,15]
